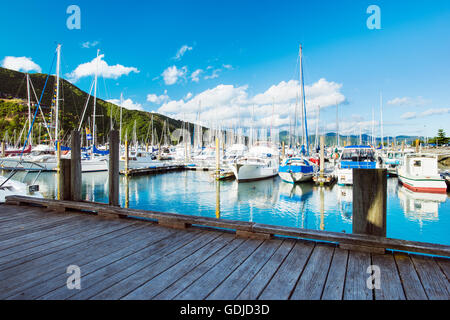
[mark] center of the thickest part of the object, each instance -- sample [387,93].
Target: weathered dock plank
[135,259]
[283,282]
[204,285]
[312,280]
[230,288]
[356,277]
[254,288]
[390,283]
[410,280]
[334,286]
[166,278]
[435,283]
[183,282]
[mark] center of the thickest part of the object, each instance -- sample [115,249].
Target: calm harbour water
[410,216]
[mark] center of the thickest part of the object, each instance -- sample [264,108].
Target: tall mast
[29,108]
[381,121]
[302,88]
[317,126]
[95,100]
[58,61]
[373,127]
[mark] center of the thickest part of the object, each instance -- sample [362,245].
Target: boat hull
[294,177]
[251,172]
[423,184]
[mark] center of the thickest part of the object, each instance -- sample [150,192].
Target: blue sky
[247,52]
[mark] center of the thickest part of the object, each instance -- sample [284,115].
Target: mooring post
[369,205]
[114,167]
[64,179]
[75,166]
[217,159]
[283,152]
[126,157]
[3,149]
[322,158]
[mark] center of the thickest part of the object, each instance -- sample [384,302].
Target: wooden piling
[126,157]
[3,149]
[322,157]
[113,169]
[217,159]
[65,179]
[75,166]
[283,150]
[369,204]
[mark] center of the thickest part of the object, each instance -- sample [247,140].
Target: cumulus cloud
[182,51]
[105,70]
[20,64]
[276,106]
[172,74]
[408,101]
[158,99]
[127,104]
[195,75]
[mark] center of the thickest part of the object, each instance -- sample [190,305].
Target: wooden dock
[136,259]
[152,170]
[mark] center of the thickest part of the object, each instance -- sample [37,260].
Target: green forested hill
[14,109]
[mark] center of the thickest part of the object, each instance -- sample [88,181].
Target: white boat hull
[248,172]
[344,176]
[428,184]
[295,177]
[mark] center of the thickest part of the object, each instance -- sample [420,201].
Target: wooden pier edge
[242,228]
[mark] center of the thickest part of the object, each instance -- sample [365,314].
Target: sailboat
[299,168]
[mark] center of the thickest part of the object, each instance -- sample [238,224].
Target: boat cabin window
[358,155]
[417,163]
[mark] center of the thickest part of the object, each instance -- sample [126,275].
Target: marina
[211,152]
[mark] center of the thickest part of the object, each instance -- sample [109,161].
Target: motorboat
[419,172]
[354,157]
[297,169]
[261,162]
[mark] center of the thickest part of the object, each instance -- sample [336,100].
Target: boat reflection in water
[420,207]
[345,202]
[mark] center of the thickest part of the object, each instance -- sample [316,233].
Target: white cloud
[105,70]
[214,75]
[228,66]
[432,112]
[20,64]
[171,74]
[409,115]
[407,101]
[227,104]
[188,96]
[158,99]
[195,75]
[182,51]
[89,44]
[127,104]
